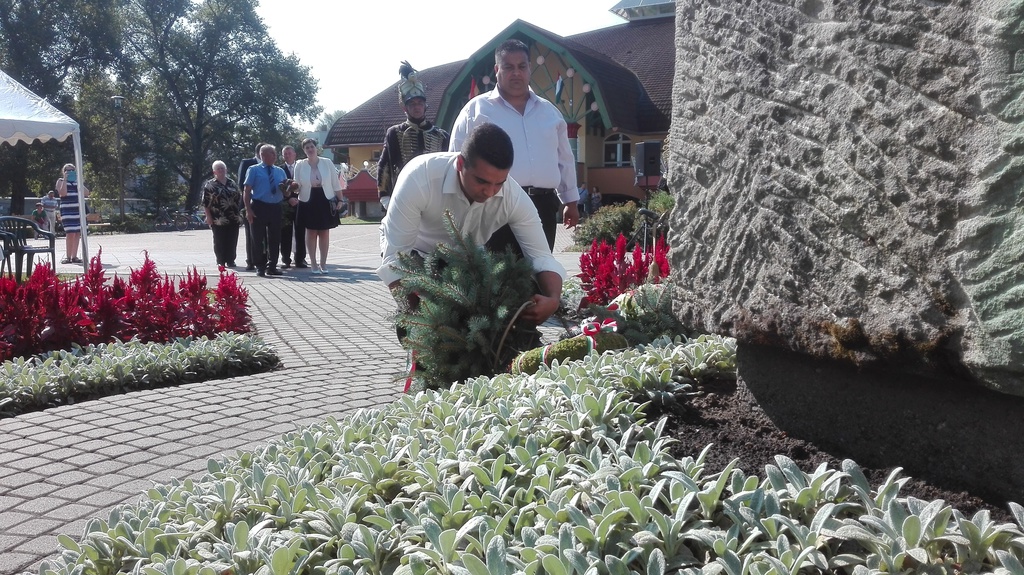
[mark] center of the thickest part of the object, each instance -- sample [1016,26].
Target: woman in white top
[320,191]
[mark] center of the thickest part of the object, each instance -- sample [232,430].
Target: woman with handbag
[320,192]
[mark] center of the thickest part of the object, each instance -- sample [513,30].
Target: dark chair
[6,250]
[17,232]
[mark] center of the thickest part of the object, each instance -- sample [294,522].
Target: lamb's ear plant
[59,377]
[556,473]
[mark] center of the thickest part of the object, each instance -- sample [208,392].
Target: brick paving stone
[73,477]
[37,450]
[120,449]
[39,505]
[75,492]
[105,498]
[19,479]
[139,470]
[28,463]
[77,428]
[40,545]
[62,453]
[8,542]
[54,468]
[34,527]
[15,562]
[32,490]
[137,487]
[71,511]
[104,466]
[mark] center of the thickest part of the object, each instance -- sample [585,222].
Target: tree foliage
[210,82]
[202,79]
[50,46]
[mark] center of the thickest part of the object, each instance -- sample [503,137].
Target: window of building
[617,151]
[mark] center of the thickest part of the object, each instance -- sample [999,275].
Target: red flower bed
[606,272]
[46,314]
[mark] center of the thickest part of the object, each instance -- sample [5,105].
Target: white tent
[25,117]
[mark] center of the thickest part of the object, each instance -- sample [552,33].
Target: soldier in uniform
[409,139]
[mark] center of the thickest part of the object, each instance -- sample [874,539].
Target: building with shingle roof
[616,91]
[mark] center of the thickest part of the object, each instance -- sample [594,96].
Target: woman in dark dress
[319,190]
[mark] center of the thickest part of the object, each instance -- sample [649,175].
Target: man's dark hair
[511,46]
[491,144]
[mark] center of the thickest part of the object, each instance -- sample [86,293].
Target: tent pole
[76,138]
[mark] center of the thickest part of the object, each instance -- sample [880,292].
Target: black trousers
[547,208]
[225,243]
[266,234]
[249,260]
[293,231]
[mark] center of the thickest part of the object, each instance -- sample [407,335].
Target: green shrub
[605,225]
[610,221]
[661,202]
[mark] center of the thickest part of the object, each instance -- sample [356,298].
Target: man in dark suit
[291,228]
[243,167]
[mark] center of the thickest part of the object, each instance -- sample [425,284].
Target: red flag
[473,91]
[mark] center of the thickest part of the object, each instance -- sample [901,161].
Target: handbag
[339,207]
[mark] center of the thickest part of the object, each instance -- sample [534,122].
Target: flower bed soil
[726,415]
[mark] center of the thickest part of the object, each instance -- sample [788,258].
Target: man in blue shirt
[263,199]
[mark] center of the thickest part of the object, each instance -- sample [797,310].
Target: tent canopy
[25,117]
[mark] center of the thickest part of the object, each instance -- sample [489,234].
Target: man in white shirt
[544,166]
[475,187]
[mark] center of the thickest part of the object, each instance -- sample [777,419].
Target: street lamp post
[119,108]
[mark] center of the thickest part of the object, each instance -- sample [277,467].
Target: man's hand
[543,307]
[250,216]
[570,215]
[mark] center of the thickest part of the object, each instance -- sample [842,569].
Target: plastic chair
[17,232]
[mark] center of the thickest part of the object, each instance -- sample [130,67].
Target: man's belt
[534,191]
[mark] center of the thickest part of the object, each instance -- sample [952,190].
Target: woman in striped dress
[70,215]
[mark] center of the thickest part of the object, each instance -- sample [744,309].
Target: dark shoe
[76,260]
[261,273]
[301,264]
[286,265]
[65,261]
[231,264]
[274,272]
[250,268]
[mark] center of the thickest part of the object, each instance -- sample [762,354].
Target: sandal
[76,260]
[65,261]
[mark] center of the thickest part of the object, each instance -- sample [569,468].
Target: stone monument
[850,189]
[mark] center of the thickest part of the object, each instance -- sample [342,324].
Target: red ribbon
[593,328]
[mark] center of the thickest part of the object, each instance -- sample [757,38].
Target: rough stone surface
[850,177]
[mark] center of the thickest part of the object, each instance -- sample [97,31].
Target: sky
[354,49]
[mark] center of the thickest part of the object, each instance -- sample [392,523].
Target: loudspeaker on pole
[647,164]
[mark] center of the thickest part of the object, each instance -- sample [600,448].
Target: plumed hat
[410,87]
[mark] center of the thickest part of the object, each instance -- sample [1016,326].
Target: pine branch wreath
[467,298]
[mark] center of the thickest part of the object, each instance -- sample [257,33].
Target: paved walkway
[61,467]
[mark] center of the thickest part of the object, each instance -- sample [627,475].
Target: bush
[605,225]
[46,314]
[610,221]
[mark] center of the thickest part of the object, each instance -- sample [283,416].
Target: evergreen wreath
[468,300]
